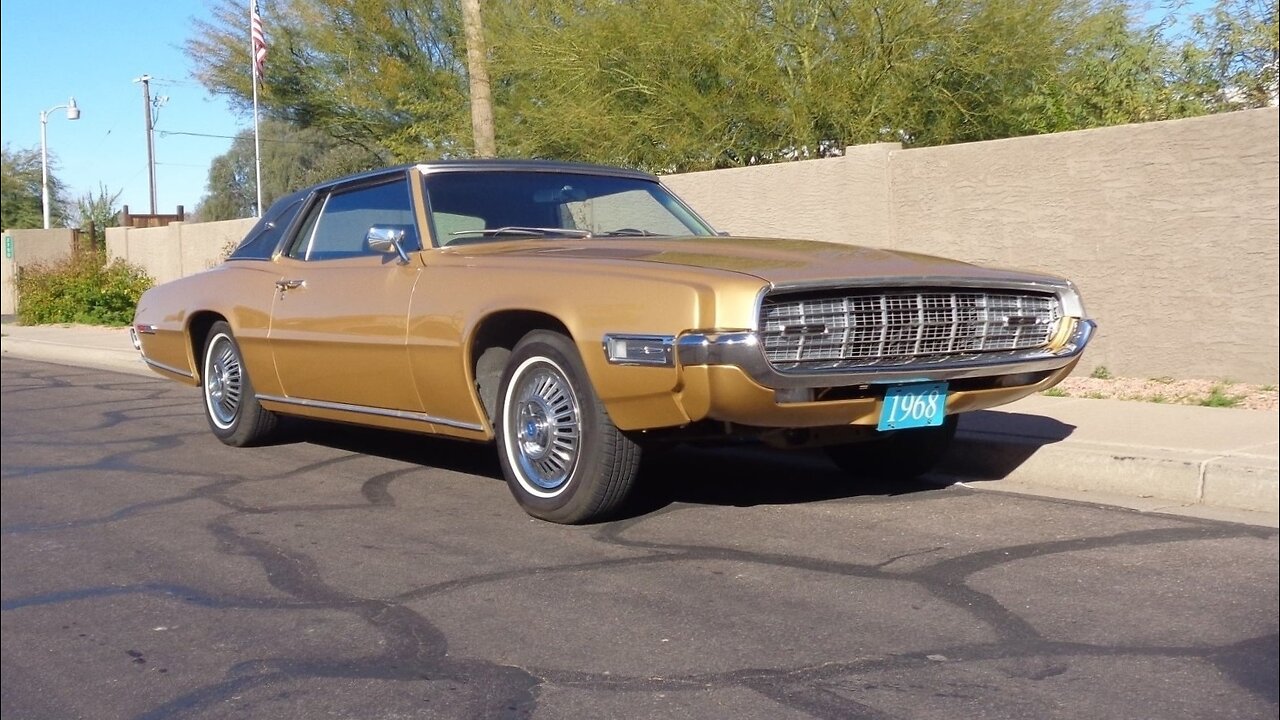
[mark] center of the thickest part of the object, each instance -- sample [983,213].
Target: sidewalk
[1202,461]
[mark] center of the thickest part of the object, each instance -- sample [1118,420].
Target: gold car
[579,314]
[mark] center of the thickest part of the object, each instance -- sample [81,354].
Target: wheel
[229,402]
[903,455]
[563,458]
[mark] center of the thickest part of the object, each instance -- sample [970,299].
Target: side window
[337,227]
[302,241]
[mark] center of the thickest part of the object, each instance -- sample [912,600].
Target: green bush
[82,288]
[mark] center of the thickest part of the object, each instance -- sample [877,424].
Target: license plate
[913,405]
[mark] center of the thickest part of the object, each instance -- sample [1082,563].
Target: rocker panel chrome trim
[366,410]
[167,368]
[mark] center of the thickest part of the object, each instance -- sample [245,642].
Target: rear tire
[563,458]
[903,455]
[230,405]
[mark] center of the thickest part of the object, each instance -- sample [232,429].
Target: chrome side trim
[167,368]
[742,349]
[366,410]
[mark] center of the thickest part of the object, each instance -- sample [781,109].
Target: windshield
[480,206]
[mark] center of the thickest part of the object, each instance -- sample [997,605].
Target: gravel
[1211,393]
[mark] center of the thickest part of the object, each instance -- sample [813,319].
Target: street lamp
[73,113]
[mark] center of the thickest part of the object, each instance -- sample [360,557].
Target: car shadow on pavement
[748,475]
[454,455]
[992,444]
[989,444]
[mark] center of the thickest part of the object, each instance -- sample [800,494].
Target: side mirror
[386,239]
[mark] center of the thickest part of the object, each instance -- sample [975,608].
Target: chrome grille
[901,327]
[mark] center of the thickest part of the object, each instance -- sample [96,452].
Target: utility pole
[151,140]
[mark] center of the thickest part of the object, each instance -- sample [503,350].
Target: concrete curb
[1151,478]
[1209,462]
[74,355]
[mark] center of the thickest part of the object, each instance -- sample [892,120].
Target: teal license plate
[913,405]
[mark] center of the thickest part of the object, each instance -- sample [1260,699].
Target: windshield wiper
[530,231]
[629,232]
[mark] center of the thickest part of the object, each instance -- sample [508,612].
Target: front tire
[902,455]
[563,458]
[230,405]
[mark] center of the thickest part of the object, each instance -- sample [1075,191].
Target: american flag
[259,40]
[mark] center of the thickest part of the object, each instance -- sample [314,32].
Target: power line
[165,133]
[169,81]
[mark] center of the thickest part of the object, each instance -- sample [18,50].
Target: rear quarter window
[262,240]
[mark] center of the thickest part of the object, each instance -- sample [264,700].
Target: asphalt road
[150,572]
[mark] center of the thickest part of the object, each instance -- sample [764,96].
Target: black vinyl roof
[490,165]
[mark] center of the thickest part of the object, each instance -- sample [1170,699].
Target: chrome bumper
[742,349]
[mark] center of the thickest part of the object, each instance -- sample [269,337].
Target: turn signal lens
[639,349]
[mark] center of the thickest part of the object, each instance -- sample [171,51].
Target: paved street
[151,572]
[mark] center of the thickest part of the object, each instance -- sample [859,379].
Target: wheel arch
[500,331]
[198,326]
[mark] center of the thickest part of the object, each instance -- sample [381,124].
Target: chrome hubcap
[224,381]
[543,424]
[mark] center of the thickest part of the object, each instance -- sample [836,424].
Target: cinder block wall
[1169,228]
[29,247]
[177,249]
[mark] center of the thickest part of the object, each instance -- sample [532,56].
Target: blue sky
[53,49]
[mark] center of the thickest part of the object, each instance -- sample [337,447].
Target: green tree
[292,158]
[1229,58]
[671,84]
[385,75]
[20,191]
[97,212]
[692,84]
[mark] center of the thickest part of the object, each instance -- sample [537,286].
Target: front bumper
[743,350]
[725,377]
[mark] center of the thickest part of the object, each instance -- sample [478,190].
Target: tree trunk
[478,77]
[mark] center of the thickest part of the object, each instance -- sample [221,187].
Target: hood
[778,262]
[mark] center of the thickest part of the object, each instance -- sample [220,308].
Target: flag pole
[254,28]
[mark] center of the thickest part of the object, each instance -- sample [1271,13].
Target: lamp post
[73,113]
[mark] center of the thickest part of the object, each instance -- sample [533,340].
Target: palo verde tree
[673,85]
[385,75]
[670,84]
[1230,56]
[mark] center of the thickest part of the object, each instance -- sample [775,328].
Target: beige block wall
[1169,228]
[178,249]
[800,199]
[29,246]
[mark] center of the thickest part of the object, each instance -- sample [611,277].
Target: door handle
[290,284]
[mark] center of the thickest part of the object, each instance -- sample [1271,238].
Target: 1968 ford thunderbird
[577,315]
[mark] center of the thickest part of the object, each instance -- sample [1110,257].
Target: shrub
[82,288]
[1218,397]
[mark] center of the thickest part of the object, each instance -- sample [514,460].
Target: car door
[338,322]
